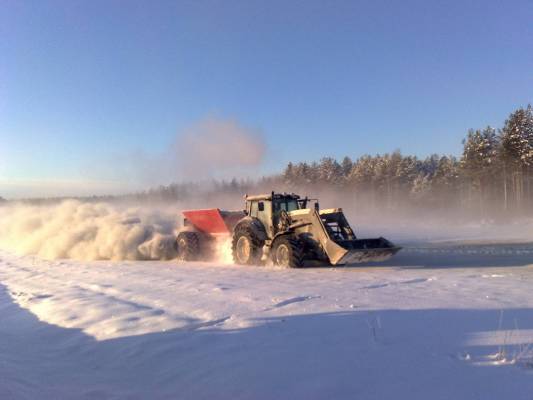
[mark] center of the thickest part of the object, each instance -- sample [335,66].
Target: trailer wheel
[287,252]
[188,244]
[246,246]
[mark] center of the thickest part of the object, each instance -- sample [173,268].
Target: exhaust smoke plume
[213,147]
[210,148]
[88,231]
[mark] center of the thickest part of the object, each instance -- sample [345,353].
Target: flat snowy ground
[443,322]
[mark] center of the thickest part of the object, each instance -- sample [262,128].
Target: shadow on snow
[414,354]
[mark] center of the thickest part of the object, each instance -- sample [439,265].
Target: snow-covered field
[445,321]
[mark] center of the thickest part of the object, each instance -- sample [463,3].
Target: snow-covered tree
[330,171]
[480,154]
[362,174]
[446,181]
[479,163]
[407,171]
[289,174]
[346,166]
[421,189]
[517,151]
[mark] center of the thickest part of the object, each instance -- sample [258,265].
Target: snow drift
[88,231]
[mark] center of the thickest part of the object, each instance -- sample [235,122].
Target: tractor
[283,227]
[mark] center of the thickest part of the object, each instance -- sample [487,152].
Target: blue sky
[85,85]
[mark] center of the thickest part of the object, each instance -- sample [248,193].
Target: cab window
[292,205]
[256,208]
[285,205]
[253,209]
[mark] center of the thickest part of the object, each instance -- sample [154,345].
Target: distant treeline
[493,175]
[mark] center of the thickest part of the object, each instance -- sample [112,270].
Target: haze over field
[84,230]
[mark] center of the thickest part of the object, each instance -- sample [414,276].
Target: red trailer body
[213,221]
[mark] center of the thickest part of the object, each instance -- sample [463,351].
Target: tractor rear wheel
[188,246]
[287,251]
[246,246]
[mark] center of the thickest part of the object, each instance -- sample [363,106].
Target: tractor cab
[273,209]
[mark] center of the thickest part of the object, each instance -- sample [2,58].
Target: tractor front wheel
[246,247]
[287,252]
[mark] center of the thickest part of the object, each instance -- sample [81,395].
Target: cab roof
[269,196]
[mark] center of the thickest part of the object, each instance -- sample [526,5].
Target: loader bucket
[331,230]
[360,251]
[343,247]
[367,250]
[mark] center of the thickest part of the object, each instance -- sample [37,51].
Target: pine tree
[479,161]
[517,151]
[406,173]
[288,174]
[304,174]
[421,189]
[330,171]
[362,174]
[346,165]
[446,181]
[362,181]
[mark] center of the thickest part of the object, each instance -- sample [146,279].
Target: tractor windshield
[285,204]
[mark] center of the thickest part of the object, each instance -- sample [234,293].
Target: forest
[493,175]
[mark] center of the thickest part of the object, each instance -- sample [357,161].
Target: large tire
[246,245]
[287,252]
[188,246]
